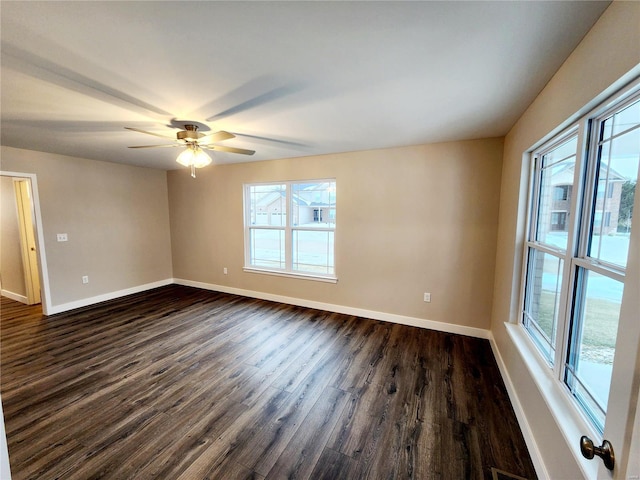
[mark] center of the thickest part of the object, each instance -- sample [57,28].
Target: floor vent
[502,475]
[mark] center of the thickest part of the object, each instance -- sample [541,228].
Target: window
[575,260]
[610,190]
[558,221]
[290,228]
[561,192]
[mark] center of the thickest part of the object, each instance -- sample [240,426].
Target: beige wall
[592,72]
[116,218]
[409,220]
[11,268]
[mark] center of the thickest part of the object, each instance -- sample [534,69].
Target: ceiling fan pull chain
[193,170]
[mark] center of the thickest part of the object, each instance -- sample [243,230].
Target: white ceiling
[289,79]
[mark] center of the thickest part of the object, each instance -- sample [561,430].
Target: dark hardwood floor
[181,383]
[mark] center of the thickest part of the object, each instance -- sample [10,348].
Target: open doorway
[22,245]
[19,263]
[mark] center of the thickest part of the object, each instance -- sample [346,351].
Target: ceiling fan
[194,141]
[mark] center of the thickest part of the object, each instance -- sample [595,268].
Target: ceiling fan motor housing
[190,134]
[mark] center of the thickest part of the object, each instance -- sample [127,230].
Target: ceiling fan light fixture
[194,157]
[201,159]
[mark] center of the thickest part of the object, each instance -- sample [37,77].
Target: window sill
[303,276]
[558,400]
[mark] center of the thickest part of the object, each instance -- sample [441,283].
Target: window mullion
[247,223]
[590,191]
[564,315]
[600,269]
[288,231]
[573,241]
[535,192]
[557,252]
[577,202]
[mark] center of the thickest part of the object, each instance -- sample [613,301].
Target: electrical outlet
[62,237]
[427,297]
[224,270]
[85,279]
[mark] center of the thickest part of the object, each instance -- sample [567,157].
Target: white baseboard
[85,302]
[14,296]
[534,451]
[360,312]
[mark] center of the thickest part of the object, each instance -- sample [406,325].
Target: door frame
[40,249]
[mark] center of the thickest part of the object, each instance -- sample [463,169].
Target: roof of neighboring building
[564,175]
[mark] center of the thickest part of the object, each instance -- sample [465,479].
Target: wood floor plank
[351,431]
[367,351]
[178,382]
[312,354]
[223,448]
[332,465]
[261,452]
[302,452]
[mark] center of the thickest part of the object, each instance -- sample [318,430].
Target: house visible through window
[290,228]
[559,221]
[560,192]
[576,250]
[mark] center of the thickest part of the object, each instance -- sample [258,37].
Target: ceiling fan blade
[281,141]
[149,133]
[220,148]
[256,99]
[156,146]
[217,136]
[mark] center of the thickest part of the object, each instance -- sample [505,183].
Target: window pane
[266,248]
[622,120]
[313,204]
[313,251]
[268,205]
[542,296]
[618,162]
[592,341]
[555,189]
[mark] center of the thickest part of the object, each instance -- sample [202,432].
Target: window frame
[288,229]
[583,206]
[531,233]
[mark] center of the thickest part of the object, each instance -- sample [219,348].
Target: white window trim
[288,271]
[570,419]
[282,273]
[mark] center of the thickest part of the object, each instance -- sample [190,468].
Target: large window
[290,228]
[581,210]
